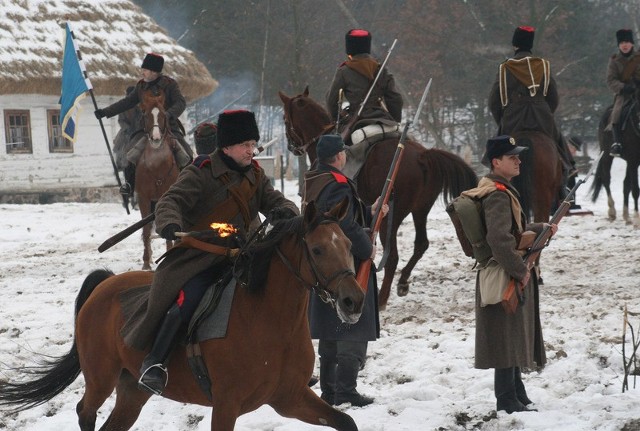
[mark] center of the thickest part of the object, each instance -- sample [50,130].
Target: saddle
[363,140]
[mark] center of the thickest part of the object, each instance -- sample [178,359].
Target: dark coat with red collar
[327,186]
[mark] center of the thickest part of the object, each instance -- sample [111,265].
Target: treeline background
[269,45]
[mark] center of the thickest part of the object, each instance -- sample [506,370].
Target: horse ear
[305,93]
[310,213]
[340,211]
[283,97]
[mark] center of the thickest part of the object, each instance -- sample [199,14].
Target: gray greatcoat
[355,77]
[502,340]
[617,63]
[189,203]
[327,186]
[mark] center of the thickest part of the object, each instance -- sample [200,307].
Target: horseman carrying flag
[175,104]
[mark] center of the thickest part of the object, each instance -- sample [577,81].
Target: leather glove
[99,113]
[281,213]
[628,88]
[169,232]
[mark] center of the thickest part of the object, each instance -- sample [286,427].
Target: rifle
[110,242]
[514,294]
[355,118]
[365,266]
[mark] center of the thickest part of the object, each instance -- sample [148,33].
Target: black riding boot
[154,374]
[505,389]
[616,147]
[346,382]
[328,380]
[521,392]
[129,180]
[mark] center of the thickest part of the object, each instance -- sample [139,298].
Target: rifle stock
[125,233]
[514,294]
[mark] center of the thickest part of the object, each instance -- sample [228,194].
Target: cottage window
[57,142]
[17,126]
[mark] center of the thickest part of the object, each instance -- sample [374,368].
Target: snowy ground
[420,371]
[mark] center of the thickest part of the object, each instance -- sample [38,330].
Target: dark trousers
[194,289]
[341,361]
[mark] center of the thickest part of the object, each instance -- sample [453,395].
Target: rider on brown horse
[623,74]
[154,80]
[524,95]
[354,78]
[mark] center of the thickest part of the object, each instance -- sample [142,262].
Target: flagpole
[125,200]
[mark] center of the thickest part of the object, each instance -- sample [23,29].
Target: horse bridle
[295,143]
[321,285]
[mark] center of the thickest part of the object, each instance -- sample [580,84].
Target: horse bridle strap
[321,284]
[301,145]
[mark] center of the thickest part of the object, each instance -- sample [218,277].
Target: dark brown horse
[540,176]
[630,154]
[156,169]
[424,174]
[266,357]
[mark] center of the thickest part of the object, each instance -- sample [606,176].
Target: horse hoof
[403,289]
[382,307]
[540,281]
[146,267]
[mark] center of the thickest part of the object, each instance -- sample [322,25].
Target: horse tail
[52,376]
[524,182]
[601,177]
[452,174]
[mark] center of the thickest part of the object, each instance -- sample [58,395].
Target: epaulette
[342,64]
[202,160]
[255,163]
[339,177]
[500,186]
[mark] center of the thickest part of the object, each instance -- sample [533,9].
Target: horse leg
[146,241]
[224,415]
[420,246]
[389,272]
[129,403]
[309,408]
[99,383]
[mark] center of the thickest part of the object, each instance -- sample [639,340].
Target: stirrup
[125,189]
[146,387]
[615,149]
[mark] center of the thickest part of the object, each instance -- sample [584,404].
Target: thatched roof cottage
[113,36]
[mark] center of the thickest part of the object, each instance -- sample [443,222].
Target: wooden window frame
[13,147]
[54,133]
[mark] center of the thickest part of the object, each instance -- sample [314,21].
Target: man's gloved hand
[628,88]
[281,213]
[169,232]
[99,113]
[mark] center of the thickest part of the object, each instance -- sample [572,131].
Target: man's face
[507,166]
[625,47]
[242,153]
[149,75]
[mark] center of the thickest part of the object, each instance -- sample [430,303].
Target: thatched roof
[112,35]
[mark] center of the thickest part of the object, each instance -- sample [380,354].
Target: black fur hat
[624,35]
[358,41]
[205,137]
[523,37]
[153,62]
[235,127]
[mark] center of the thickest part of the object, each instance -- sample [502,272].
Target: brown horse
[540,176]
[266,357]
[156,169]
[423,175]
[630,154]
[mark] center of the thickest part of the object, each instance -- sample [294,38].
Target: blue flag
[74,87]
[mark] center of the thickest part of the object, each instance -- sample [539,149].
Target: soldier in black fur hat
[355,76]
[623,77]
[175,104]
[206,138]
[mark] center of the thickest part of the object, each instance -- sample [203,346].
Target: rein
[321,283]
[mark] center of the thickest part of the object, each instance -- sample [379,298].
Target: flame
[224,229]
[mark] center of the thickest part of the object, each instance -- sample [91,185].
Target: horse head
[305,121]
[330,260]
[155,120]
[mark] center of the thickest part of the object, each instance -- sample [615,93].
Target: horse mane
[263,251]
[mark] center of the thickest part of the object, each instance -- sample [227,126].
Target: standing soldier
[152,79]
[623,75]
[524,95]
[342,349]
[355,76]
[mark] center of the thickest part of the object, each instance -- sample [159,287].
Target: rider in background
[355,76]
[524,95]
[623,74]
[154,80]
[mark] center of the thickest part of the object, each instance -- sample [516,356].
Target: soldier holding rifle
[507,341]
[342,348]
